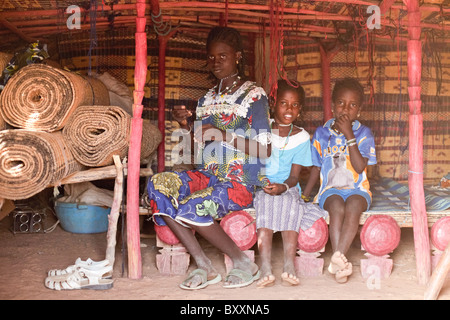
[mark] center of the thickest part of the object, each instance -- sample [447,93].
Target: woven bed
[40,97]
[95,133]
[30,161]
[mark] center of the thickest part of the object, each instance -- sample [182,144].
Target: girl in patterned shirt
[341,151]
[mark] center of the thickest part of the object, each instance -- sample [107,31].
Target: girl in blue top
[279,206]
[341,151]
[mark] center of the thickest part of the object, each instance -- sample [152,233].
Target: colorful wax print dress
[226,178]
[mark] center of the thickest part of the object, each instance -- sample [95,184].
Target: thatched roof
[25,20]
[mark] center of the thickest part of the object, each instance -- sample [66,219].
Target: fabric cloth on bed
[390,195]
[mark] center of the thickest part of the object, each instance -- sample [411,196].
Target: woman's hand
[181,115]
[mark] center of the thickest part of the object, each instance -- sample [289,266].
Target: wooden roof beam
[13,28]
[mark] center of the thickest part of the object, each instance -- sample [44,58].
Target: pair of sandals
[246,279]
[89,274]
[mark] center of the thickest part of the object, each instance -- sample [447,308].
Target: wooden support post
[415,176]
[311,243]
[134,151]
[115,212]
[173,258]
[161,100]
[325,62]
[380,235]
[439,275]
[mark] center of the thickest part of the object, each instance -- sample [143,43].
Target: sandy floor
[25,259]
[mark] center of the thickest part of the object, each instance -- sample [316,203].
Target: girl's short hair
[231,37]
[349,84]
[284,85]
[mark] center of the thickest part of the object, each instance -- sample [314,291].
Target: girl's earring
[237,61]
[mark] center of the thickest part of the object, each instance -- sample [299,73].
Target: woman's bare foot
[342,275]
[337,263]
[290,279]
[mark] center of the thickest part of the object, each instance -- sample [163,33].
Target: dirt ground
[26,258]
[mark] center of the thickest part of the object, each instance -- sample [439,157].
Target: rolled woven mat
[95,133]
[40,97]
[30,161]
[4,60]
[2,123]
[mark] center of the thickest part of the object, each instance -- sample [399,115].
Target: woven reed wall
[387,115]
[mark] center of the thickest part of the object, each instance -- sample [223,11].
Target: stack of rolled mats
[95,133]
[40,97]
[30,161]
[59,122]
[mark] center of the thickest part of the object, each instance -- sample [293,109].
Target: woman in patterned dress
[232,137]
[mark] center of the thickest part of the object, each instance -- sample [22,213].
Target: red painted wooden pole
[325,62]
[415,175]
[134,152]
[161,100]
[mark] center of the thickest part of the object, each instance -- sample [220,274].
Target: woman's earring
[237,61]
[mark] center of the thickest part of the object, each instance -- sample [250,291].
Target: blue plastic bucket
[80,218]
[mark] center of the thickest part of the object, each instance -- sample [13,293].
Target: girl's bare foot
[338,262]
[267,278]
[289,279]
[342,275]
[266,281]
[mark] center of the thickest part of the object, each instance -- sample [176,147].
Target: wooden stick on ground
[439,275]
[115,211]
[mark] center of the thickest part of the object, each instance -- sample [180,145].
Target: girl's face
[287,107]
[347,102]
[221,59]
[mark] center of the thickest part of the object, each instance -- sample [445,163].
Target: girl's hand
[275,189]
[181,114]
[344,125]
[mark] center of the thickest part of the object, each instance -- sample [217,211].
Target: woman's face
[221,59]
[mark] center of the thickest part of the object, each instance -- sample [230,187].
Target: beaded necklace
[227,89]
[289,134]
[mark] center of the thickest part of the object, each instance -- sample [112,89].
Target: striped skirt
[285,212]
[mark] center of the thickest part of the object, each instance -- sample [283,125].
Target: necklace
[227,88]
[289,134]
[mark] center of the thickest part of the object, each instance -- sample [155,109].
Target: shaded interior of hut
[80,78]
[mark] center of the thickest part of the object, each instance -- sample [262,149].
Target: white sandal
[89,264]
[81,278]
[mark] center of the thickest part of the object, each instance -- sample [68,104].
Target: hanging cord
[161,28]
[93,32]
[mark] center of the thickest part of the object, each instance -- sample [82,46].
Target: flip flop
[247,278]
[204,276]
